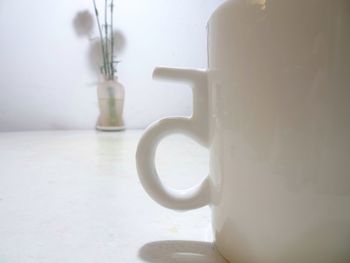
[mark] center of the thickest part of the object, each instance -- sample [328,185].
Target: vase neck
[107,79]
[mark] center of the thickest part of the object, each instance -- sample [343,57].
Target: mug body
[279,95]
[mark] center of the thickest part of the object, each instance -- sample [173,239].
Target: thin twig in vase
[112,40]
[106,31]
[104,69]
[106,41]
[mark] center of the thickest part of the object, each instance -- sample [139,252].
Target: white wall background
[46,81]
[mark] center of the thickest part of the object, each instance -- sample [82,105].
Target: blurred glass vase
[111,103]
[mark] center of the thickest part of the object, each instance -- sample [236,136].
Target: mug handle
[196,127]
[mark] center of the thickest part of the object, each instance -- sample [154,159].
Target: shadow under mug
[184,251]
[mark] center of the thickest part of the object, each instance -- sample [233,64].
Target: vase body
[111,104]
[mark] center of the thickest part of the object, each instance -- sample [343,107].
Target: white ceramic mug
[274,110]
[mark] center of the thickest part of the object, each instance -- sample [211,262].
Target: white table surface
[74,197]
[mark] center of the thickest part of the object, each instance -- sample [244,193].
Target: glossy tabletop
[75,197]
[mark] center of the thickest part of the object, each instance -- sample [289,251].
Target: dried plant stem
[106,31]
[106,41]
[112,39]
[101,37]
